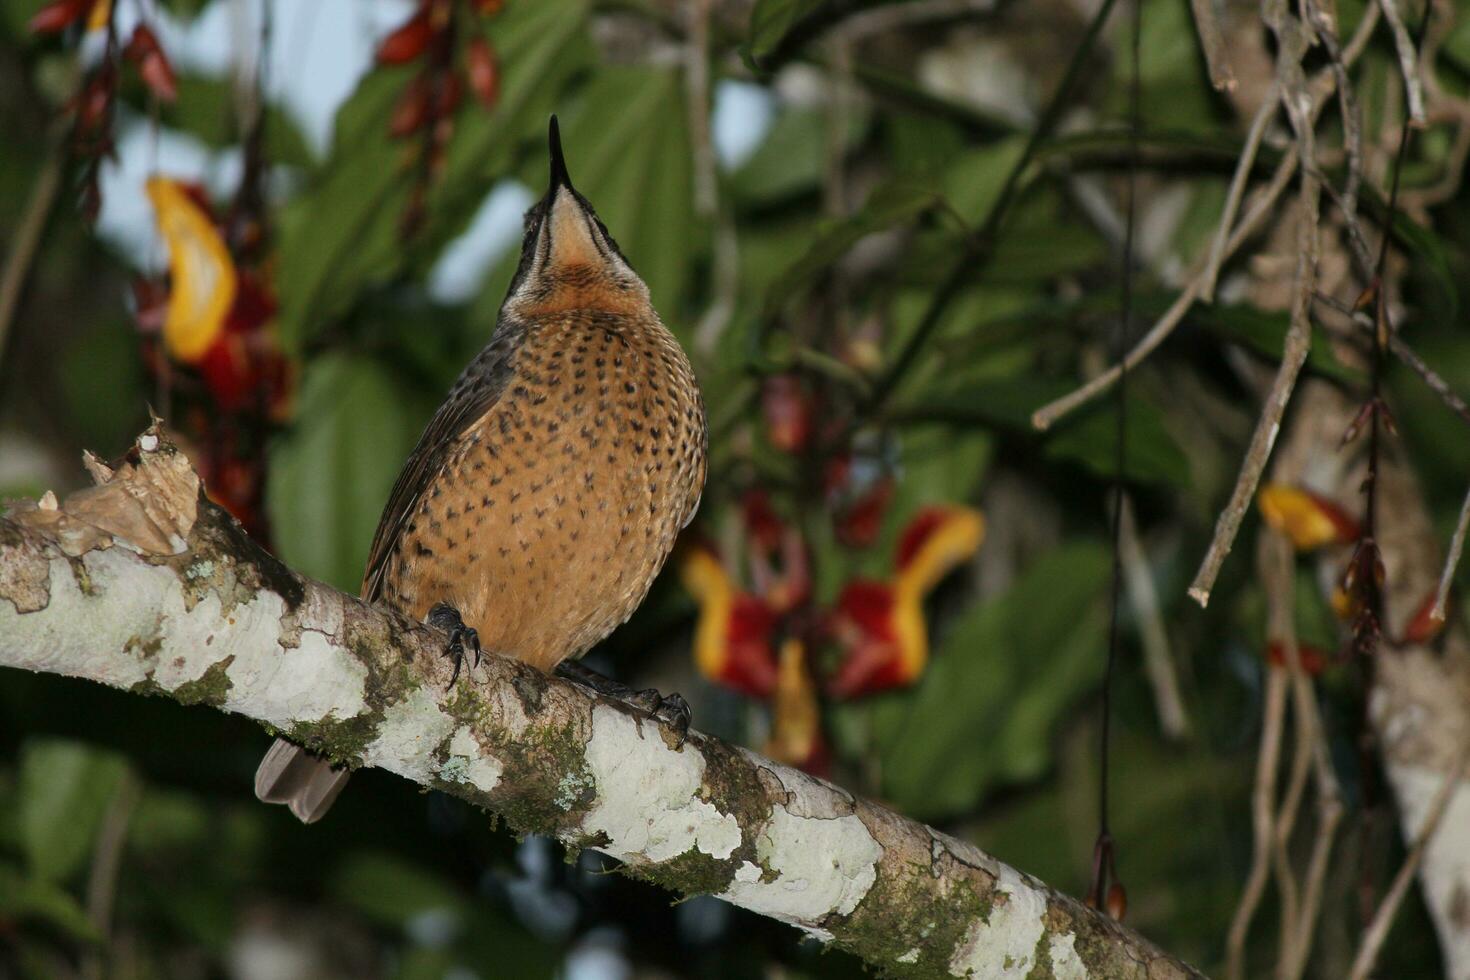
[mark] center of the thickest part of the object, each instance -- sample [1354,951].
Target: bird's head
[568,259]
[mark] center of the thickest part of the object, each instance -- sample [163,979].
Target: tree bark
[142,584]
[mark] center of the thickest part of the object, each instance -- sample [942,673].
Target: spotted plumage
[547,491]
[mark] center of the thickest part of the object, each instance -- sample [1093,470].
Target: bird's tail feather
[307,784]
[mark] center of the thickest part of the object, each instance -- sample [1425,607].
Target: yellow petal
[202,274]
[796,723]
[705,578]
[100,14]
[937,540]
[1306,519]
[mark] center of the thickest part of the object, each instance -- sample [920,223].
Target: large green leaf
[342,235]
[65,788]
[330,475]
[890,206]
[1091,440]
[791,159]
[1000,679]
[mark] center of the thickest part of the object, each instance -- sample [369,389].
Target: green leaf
[972,182]
[331,474]
[342,235]
[392,892]
[64,789]
[206,108]
[791,158]
[771,21]
[38,900]
[1153,454]
[891,205]
[1264,331]
[1000,680]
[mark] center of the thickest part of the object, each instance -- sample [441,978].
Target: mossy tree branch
[141,584]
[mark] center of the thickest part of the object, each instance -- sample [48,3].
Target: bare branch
[1158,661]
[1212,42]
[1408,59]
[1457,546]
[1049,414]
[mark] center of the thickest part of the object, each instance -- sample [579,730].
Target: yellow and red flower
[732,639]
[880,626]
[1308,519]
[796,716]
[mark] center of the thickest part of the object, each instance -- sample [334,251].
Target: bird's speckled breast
[548,522]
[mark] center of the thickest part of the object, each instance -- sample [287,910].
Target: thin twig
[1212,42]
[1158,660]
[1048,414]
[1292,43]
[1408,59]
[106,862]
[1262,817]
[1377,931]
[1329,815]
[27,239]
[1457,546]
[1238,183]
[1324,23]
[1274,557]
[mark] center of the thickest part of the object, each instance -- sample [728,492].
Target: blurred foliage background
[856,149]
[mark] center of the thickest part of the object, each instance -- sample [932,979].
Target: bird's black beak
[559,176]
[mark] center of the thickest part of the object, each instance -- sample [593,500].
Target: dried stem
[1158,660]
[1263,813]
[1293,356]
[1457,546]
[1212,42]
[27,239]
[1329,816]
[106,862]
[1408,59]
[1292,43]
[1238,183]
[1377,931]
[1275,558]
[1048,415]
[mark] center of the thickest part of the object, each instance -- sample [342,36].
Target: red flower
[1313,660]
[57,16]
[408,41]
[484,68]
[880,625]
[787,410]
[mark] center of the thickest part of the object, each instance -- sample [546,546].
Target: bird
[548,489]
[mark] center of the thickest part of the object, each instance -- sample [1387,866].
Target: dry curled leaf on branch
[147,502]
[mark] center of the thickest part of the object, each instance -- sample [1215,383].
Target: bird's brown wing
[473,394]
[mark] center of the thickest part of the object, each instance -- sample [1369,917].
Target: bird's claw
[671,710]
[462,639]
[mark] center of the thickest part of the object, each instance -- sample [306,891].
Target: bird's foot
[672,710]
[462,639]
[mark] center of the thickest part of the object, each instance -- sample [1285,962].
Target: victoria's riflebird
[547,490]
